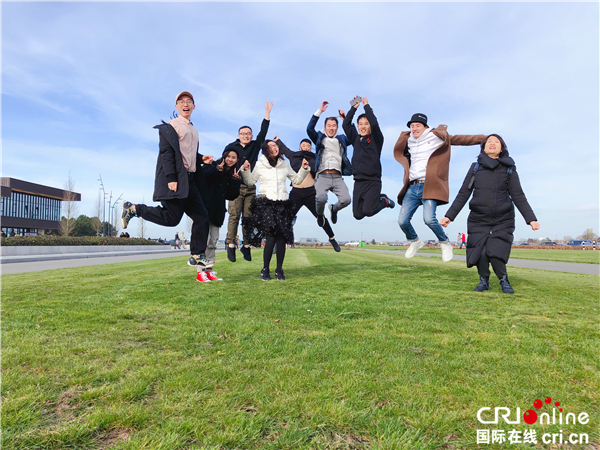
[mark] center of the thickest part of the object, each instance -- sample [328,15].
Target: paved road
[22,267]
[588,269]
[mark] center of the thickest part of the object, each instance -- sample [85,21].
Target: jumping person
[425,155]
[496,188]
[272,213]
[366,161]
[331,163]
[304,194]
[220,182]
[177,169]
[247,150]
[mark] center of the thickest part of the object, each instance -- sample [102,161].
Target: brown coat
[438,166]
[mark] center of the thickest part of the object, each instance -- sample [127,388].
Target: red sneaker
[212,276]
[201,276]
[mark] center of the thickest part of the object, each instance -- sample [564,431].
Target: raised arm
[285,151]
[375,129]
[467,139]
[298,178]
[349,129]
[310,128]
[250,178]
[264,126]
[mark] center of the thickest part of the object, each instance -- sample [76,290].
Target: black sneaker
[200,260]
[320,220]
[265,275]
[390,203]
[335,245]
[231,253]
[246,252]
[127,213]
[484,284]
[279,274]
[333,214]
[506,287]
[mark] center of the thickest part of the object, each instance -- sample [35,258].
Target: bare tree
[142,226]
[96,220]
[69,207]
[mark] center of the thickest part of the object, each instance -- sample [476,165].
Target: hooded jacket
[272,179]
[436,177]
[492,217]
[170,167]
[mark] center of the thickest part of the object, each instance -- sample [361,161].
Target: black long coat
[170,167]
[215,187]
[492,217]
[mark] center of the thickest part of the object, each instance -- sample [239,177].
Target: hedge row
[72,240]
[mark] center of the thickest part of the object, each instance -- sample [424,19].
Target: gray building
[29,208]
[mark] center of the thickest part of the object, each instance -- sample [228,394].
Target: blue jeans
[412,200]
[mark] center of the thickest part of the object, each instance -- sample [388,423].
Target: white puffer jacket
[272,180]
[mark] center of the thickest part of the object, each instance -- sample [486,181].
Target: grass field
[574,256]
[356,350]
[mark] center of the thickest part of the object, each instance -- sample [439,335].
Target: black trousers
[367,198]
[306,197]
[483,265]
[171,212]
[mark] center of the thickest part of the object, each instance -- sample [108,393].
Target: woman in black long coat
[496,188]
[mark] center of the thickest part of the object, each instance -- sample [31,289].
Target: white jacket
[271,179]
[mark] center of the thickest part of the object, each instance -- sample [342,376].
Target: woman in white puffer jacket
[272,211]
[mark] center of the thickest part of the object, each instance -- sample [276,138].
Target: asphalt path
[23,267]
[557,266]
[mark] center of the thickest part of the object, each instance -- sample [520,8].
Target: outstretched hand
[342,114]
[324,106]
[445,222]
[207,159]
[246,165]
[365,101]
[220,166]
[534,225]
[276,138]
[359,99]
[305,164]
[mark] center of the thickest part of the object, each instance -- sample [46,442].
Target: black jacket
[215,187]
[251,150]
[492,217]
[170,167]
[366,158]
[296,158]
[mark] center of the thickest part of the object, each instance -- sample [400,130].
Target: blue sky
[84,83]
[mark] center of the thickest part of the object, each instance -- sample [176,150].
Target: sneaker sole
[419,248]
[123,223]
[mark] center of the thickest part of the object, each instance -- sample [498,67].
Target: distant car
[548,243]
[580,242]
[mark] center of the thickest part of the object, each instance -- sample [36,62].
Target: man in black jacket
[304,194]
[366,161]
[247,150]
[174,184]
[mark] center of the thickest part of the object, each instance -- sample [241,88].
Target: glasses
[246,134]
[185,102]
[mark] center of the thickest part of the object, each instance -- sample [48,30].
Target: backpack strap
[475,169]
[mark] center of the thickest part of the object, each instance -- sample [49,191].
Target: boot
[484,284]
[506,287]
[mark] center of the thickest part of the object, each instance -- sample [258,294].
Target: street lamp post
[103,204]
[112,209]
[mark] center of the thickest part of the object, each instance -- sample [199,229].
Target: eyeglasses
[246,134]
[185,102]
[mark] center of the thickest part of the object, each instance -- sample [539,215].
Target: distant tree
[373,242]
[84,226]
[588,235]
[70,207]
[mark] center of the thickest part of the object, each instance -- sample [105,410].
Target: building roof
[12,184]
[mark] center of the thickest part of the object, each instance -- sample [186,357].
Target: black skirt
[269,218]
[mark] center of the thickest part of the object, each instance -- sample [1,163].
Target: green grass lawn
[574,256]
[356,350]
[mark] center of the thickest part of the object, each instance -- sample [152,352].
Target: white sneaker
[446,251]
[414,247]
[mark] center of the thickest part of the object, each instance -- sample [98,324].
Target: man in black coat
[367,199]
[177,168]
[247,150]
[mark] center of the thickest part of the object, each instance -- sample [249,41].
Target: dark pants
[367,198]
[171,212]
[483,265]
[306,197]
[270,242]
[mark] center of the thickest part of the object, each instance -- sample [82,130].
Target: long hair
[227,169]
[265,151]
